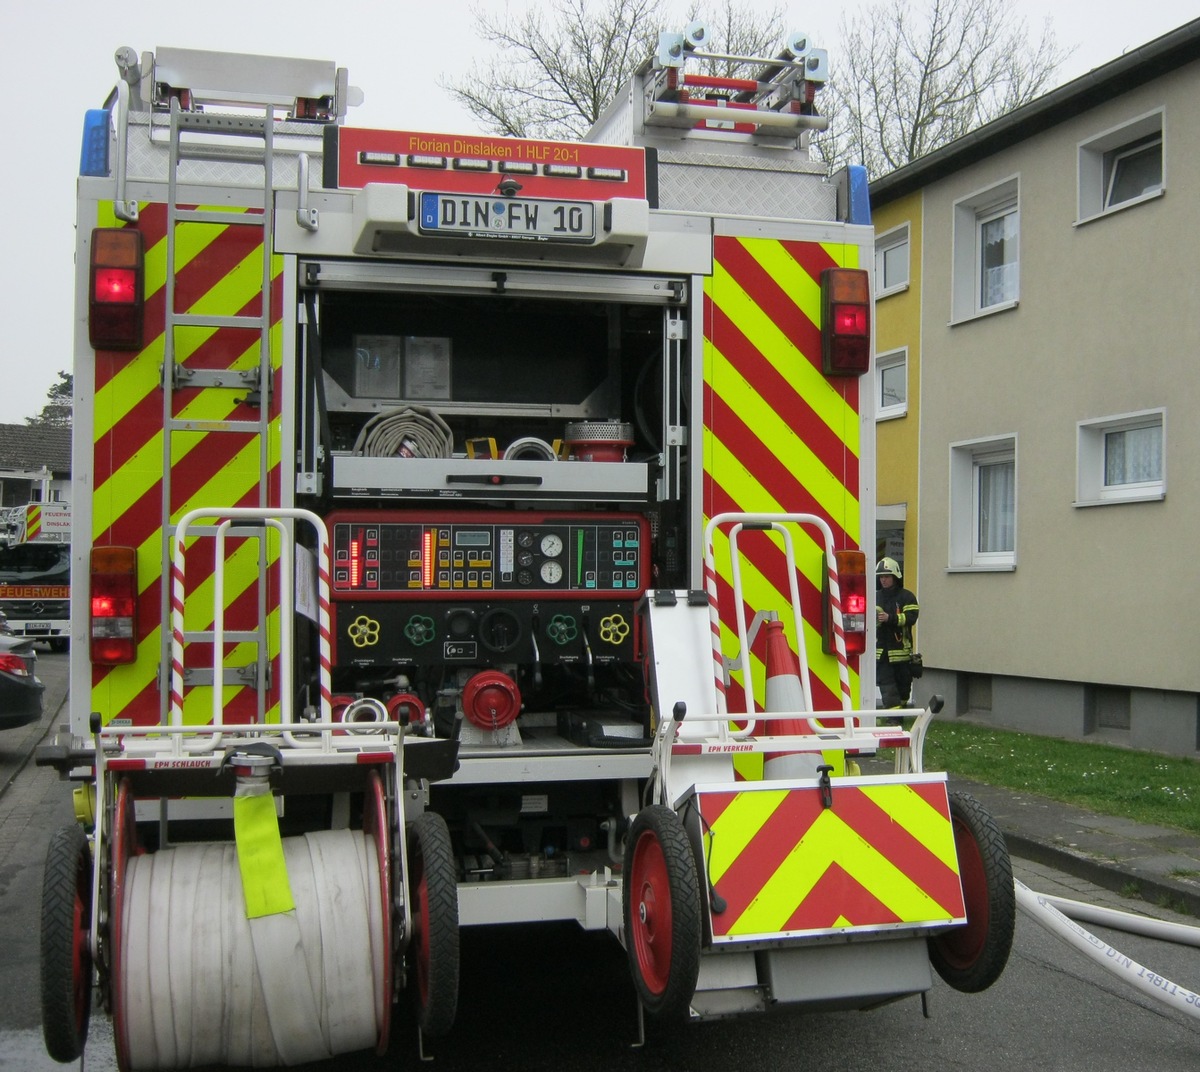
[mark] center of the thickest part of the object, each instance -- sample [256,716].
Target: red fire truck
[473,533]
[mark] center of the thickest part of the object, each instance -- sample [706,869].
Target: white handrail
[773,522]
[272,518]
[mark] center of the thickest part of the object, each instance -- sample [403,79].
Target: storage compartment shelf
[357,477]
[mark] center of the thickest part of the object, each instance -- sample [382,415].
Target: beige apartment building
[1039,288]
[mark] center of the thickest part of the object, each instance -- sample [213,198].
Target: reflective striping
[218,272]
[785,864]
[920,812]
[798,371]
[779,436]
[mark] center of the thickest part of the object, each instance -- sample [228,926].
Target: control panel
[388,555]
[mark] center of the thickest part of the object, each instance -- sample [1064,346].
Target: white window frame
[1098,159]
[970,214]
[966,460]
[1090,486]
[884,410]
[886,243]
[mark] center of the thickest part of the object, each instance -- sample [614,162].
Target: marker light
[115,291]
[852,587]
[114,591]
[845,321]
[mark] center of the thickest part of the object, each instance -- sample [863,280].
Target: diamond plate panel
[148,157]
[746,191]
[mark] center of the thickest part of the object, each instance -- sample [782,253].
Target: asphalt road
[553,997]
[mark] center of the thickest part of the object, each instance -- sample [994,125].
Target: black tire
[66,953]
[59,644]
[433,889]
[972,957]
[661,905]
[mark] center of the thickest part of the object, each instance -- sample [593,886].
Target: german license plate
[507,217]
[37,627]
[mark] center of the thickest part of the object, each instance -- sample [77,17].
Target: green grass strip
[1143,786]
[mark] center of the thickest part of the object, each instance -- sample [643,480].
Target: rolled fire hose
[530,448]
[1044,913]
[197,988]
[411,432]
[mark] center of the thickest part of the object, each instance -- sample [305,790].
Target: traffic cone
[784,693]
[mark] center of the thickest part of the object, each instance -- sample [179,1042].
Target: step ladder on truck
[474,534]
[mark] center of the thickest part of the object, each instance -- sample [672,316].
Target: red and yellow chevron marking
[779,435]
[882,856]
[33,522]
[218,272]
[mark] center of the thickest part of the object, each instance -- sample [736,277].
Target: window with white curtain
[986,276]
[1121,458]
[983,504]
[998,257]
[995,503]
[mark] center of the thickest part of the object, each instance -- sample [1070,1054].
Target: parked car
[20,688]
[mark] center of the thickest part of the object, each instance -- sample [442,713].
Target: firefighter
[896,614]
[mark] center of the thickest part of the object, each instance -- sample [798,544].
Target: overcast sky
[60,62]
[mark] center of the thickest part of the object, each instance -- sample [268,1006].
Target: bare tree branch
[907,80]
[558,67]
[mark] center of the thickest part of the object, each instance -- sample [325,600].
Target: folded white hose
[1038,906]
[202,985]
[411,432]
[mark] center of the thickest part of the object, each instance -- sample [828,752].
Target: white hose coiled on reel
[411,432]
[200,984]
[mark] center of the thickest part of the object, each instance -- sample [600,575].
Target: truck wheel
[433,882]
[59,644]
[66,936]
[971,957]
[662,912]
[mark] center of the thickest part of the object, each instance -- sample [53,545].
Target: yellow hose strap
[260,856]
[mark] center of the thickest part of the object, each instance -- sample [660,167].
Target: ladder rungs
[193,320]
[249,126]
[244,427]
[239,219]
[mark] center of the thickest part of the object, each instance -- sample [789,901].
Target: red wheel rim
[81,956]
[375,823]
[650,913]
[962,946]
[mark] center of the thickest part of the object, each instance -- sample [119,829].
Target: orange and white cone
[784,693]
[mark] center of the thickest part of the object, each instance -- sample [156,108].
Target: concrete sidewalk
[1156,863]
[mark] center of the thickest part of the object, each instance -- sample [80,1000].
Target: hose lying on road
[1045,913]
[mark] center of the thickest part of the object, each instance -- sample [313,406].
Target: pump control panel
[410,554]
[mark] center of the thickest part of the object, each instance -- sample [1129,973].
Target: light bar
[380,159]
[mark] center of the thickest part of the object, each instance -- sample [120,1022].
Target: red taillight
[114,605]
[846,321]
[115,296]
[14,664]
[852,587]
